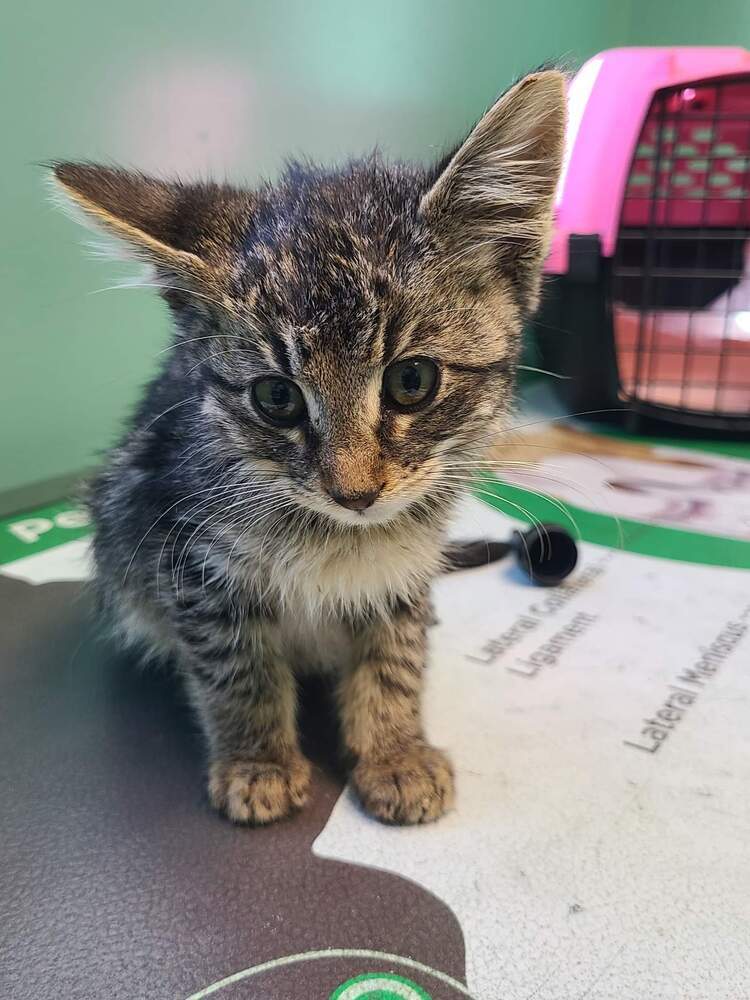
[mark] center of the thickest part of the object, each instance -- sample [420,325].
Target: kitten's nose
[356,501]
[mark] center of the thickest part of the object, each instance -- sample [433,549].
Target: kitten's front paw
[411,787]
[258,792]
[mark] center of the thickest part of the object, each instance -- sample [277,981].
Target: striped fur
[218,544]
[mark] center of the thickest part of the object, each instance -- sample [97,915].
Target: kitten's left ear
[491,204]
[186,229]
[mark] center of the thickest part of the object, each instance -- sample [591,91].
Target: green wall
[226,88]
[690,22]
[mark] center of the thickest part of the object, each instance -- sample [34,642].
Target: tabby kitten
[345,341]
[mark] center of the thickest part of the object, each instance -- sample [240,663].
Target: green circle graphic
[397,985]
[379,986]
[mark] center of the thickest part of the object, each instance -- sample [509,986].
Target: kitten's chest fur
[321,646]
[312,580]
[321,589]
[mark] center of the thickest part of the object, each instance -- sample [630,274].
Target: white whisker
[169,409]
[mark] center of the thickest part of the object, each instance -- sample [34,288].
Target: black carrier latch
[584,257]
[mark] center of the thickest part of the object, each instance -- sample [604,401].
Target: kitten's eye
[411,383]
[279,401]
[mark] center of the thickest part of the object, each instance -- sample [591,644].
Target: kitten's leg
[399,777]
[245,695]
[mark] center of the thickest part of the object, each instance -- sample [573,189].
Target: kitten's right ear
[184,229]
[491,202]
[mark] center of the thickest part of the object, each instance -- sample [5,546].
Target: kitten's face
[353,334]
[358,379]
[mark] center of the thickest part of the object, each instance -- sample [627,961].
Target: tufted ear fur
[184,229]
[491,203]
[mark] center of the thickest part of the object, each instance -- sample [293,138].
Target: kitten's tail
[546,553]
[480,552]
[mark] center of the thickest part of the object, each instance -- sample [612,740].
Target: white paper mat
[601,736]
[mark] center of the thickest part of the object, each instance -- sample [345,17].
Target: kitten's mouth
[377,514]
[383,511]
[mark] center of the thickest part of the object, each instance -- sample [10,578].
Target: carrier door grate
[681,271]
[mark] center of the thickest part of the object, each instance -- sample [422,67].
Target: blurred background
[229,89]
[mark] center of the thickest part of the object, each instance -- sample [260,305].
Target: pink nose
[356,501]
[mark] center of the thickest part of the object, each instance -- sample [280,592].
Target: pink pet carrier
[647,302]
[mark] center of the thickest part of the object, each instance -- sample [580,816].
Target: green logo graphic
[379,986]
[44,528]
